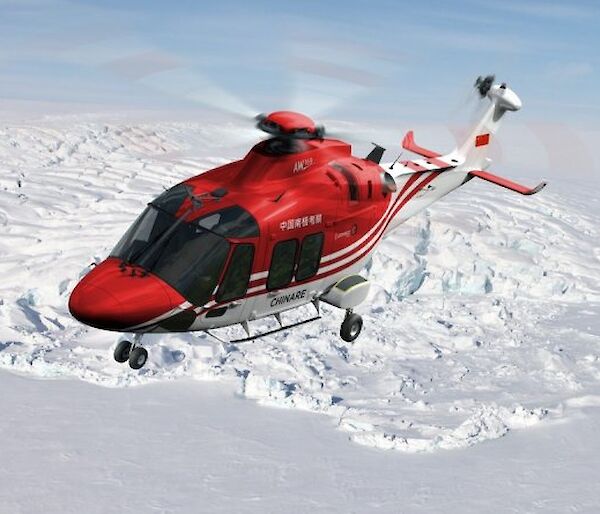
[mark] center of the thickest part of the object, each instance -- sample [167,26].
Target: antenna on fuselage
[397,159]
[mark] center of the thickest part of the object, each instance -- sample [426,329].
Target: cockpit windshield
[189,256]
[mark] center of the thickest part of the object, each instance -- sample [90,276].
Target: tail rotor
[484,84]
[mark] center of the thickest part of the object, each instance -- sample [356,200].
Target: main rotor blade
[327,73]
[193,86]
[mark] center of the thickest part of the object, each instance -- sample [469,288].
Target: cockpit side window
[191,262]
[190,259]
[230,222]
[210,222]
[189,256]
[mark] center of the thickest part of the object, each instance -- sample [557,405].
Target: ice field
[482,326]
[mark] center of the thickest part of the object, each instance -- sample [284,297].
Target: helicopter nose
[111,299]
[94,306]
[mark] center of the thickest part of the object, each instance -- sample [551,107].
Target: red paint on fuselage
[321,188]
[114,298]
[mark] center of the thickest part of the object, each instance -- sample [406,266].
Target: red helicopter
[293,222]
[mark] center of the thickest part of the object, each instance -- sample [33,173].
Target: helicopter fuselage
[309,216]
[293,222]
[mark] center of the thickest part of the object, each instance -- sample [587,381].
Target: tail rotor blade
[483,84]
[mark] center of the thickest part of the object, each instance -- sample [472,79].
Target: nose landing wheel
[138,357]
[122,351]
[133,353]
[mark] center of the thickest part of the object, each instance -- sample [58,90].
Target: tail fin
[474,150]
[470,159]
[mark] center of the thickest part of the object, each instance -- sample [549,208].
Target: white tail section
[468,161]
[475,149]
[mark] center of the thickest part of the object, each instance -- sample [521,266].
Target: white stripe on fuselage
[163,316]
[349,248]
[379,229]
[382,226]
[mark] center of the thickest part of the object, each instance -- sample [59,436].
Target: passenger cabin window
[282,264]
[310,256]
[237,276]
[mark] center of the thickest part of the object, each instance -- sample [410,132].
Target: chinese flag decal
[482,140]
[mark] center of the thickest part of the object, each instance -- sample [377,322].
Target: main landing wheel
[122,351]
[138,357]
[351,327]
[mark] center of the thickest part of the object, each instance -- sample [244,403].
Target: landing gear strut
[132,352]
[351,326]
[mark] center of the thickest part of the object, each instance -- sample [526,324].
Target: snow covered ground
[482,326]
[186,446]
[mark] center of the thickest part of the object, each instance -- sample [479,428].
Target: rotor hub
[289,124]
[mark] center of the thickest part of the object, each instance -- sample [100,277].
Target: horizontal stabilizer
[408,143]
[508,184]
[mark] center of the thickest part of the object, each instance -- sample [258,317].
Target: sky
[352,59]
[389,63]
